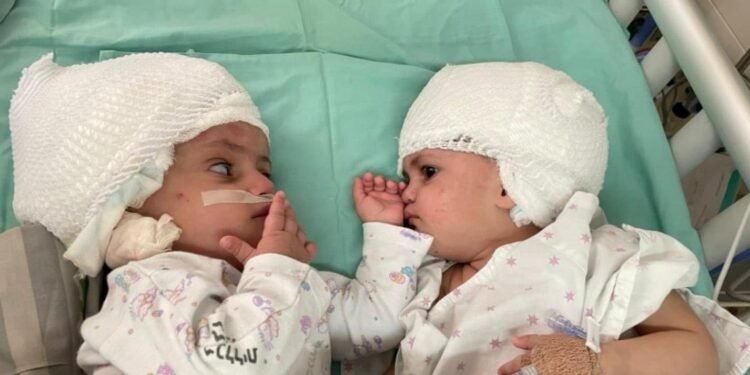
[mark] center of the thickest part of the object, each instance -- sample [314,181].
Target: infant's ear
[504,201]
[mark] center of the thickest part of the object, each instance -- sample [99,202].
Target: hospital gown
[182,313]
[601,282]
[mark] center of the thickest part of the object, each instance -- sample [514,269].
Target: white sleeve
[639,272]
[157,318]
[364,313]
[631,272]
[663,265]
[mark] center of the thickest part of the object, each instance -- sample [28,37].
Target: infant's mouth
[263,212]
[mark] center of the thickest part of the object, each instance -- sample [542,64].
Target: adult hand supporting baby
[553,354]
[281,235]
[377,199]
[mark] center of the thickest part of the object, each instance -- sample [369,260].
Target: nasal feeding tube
[212,197]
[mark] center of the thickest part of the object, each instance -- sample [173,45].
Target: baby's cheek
[234,219]
[199,226]
[181,197]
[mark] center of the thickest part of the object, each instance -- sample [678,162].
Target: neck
[461,272]
[484,256]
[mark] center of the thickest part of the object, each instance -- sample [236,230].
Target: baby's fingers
[527,342]
[290,220]
[401,187]
[358,190]
[240,249]
[311,248]
[514,365]
[301,235]
[293,227]
[367,182]
[276,218]
[391,187]
[379,183]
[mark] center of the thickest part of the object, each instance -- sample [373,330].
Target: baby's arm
[364,312]
[364,316]
[673,341]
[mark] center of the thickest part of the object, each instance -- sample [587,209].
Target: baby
[158,164]
[503,163]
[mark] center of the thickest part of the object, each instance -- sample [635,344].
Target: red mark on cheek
[181,196]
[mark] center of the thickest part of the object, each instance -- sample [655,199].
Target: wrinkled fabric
[603,281]
[187,313]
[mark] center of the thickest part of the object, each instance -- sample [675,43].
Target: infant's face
[453,196]
[233,156]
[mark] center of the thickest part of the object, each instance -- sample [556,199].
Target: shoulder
[611,236]
[643,240]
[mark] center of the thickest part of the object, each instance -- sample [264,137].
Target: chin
[434,252]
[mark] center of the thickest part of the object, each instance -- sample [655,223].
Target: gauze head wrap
[90,140]
[545,131]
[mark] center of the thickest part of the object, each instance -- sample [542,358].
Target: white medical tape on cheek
[233,196]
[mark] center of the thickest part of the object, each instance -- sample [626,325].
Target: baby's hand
[378,199]
[552,354]
[281,235]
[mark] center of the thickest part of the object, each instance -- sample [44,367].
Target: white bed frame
[688,44]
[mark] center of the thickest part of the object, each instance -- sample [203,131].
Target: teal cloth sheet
[334,79]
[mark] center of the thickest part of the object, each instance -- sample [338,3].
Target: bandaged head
[91,140]
[545,131]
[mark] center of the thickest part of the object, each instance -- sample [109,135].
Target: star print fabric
[601,282]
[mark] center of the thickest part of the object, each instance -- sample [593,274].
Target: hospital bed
[334,79]
[689,45]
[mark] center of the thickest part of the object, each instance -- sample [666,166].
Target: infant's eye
[222,168]
[429,171]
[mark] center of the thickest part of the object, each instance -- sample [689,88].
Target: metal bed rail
[688,44]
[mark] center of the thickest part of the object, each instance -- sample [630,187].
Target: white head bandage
[546,132]
[90,140]
[233,196]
